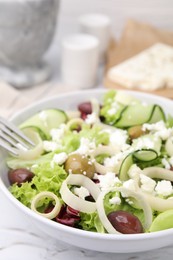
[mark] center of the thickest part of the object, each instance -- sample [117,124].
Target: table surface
[18,239]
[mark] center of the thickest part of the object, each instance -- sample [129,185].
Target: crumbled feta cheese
[134,171]
[154,127]
[108,181]
[164,188]
[81,192]
[144,142]
[112,111]
[115,201]
[114,161]
[50,146]
[86,146]
[166,164]
[60,158]
[130,185]
[130,202]
[164,134]
[147,184]
[118,137]
[58,133]
[159,129]
[35,166]
[91,118]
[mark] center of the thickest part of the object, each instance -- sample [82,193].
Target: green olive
[135,132]
[78,164]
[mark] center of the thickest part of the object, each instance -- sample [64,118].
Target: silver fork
[12,139]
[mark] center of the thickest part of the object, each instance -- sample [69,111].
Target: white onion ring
[158,172]
[31,154]
[102,215]
[95,107]
[48,194]
[169,146]
[143,203]
[74,201]
[34,152]
[111,150]
[101,150]
[137,195]
[101,169]
[159,204]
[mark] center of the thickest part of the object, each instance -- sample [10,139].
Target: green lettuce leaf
[46,179]
[91,222]
[109,100]
[95,133]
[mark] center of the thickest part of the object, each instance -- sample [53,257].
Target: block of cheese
[151,69]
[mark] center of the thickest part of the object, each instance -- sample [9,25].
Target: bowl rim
[67,229]
[86,91]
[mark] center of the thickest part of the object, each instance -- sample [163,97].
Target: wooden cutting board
[135,38]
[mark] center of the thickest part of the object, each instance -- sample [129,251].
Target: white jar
[80,60]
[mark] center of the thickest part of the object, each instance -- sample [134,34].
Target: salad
[106,167]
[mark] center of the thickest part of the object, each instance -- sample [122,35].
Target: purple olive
[125,222]
[68,217]
[85,108]
[20,176]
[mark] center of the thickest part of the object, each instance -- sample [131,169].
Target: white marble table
[21,241]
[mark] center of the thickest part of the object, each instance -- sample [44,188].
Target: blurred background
[38,17]
[158,13]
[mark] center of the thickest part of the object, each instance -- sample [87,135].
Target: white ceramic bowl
[76,237]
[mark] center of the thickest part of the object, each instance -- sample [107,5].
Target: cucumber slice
[37,130]
[125,99]
[162,221]
[134,115]
[139,114]
[147,142]
[125,166]
[45,120]
[145,155]
[129,160]
[157,115]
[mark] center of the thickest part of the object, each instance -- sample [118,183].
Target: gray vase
[26,31]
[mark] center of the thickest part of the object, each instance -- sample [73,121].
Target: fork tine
[6,138]
[8,147]
[9,140]
[13,128]
[5,134]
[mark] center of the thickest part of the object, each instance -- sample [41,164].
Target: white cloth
[12,100]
